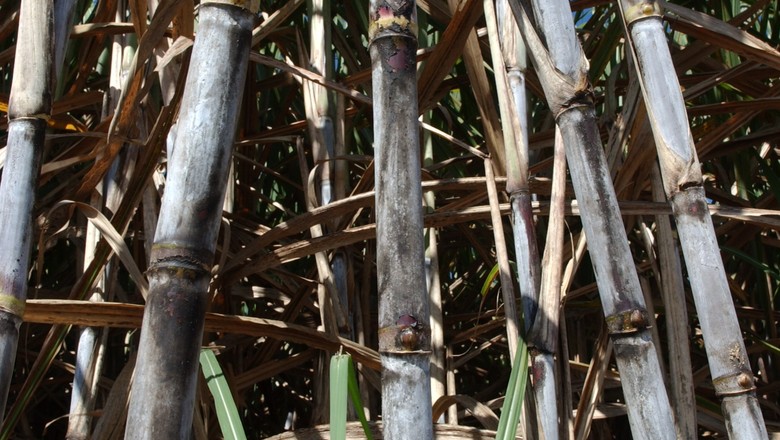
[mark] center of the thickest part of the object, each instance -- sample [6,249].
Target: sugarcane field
[389,219]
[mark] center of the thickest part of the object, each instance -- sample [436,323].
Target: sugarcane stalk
[517,182]
[404,334]
[320,112]
[509,65]
[162,399]
[681,392]
[563,74]
[512,90]
[683,185]
[29,108]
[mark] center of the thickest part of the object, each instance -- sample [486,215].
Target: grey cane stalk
[683,185]
[190,216]
[517,183]
[510,80]
[681,392]
[563,74]
[28,110]
[510,83]
[404,335]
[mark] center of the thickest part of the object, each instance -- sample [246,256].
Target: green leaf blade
[227,413]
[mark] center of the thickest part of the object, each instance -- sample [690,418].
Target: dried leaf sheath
[28,110]
[190,215]
[404,335]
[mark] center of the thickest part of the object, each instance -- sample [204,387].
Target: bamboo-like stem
[320,107]
[120,222]
[678,332]
[161,403]
[511,85]
[28,109]
[516,146]
[319,114]
[562,72]
[682,181]
[509,65]
[404,335]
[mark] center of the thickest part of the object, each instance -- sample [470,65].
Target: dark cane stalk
[162,399]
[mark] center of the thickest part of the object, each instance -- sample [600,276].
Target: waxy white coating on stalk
[722,336]
[665,103]
[33,77]
[681,388]
[204,140]
[163,395]
[517,184]
[17,196]
[63,23]
[563,44]
[682,182]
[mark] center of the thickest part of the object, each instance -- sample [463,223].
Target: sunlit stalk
[29,108]
[563,74]
[404,335]
[162,399]
[683,184]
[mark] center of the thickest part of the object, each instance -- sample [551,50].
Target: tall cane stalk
[162,399]
[683,184]
[28,110]
[404,335]
[563,74]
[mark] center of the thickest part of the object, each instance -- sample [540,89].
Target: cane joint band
[579,96]
[734,384]
[33,117]
[252,6]
[628,321]
[12,305]
[642,10]
[395,26]
[180,263]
